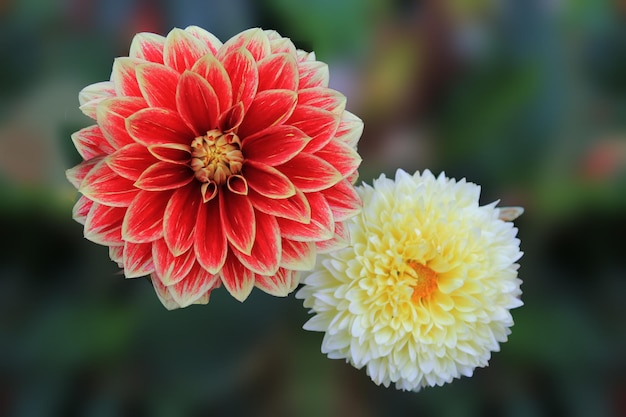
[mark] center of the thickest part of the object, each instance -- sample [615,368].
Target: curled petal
[81,209]
[237,184]
[103,185]
[137,259]
[112,114]
[237,279]
[321,227]
[254,40]
[298,256]
[90,96]
[169,268]
[77,174]
[155,126]
[197,103]
[158,84]
[238,223]
[124,76]
[104,224]
[323,98]
[144,218]
[147,46]
[269,108]
[206,37]
[280,284]
[343,157]
[210,242]
[265,255]
[182,50]
[244,77]
[278,71]
[175,153]
[164,176]
[231,119]
[208,191]
[274,145]
[179,219]
[310,173]
[267,181]
[343,200]
[130,161]
[90,142]
[294,208]
[213,71]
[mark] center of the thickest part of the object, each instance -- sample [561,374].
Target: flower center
[425,281]
[216,156]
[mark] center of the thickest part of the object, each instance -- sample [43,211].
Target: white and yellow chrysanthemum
[421,294]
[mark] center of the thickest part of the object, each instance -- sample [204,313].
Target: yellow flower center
[216,156]
[425,281]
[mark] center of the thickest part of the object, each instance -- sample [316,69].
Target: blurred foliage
[525,98]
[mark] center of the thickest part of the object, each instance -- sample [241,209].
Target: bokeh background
[526,98]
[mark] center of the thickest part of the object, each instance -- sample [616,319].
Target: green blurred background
[526,98]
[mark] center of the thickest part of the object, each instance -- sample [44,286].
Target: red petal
[169,268]
[238,222]
[77,174]
[164,176]
[148,46]
[230,120]
[323,98]
[213,71]
[313,74]
[274,145]
[310,173]
[137,258]
[180,218]
[254,40]
[265,256]
[298,256]
[267,181]
[343,200]
[112,114]
[207,38]
[154,126]
[116,254]
[104,224]
[278,44]
[130,161]
[349,130]
[92,95]
[182,50]
[81,209]
[269,108]
[104,186]
[320,228]
[244,77]
[278,71]
[210,241]
[295,208]
[158,84]
[320,125]
[171,152]
[124,77]
[197,103]
[343,157]
[340,240]
[90,142]
[194,286]
[144,219]
[280,284]
[237,279]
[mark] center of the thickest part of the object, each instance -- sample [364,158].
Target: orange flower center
[216,156]
[425,281]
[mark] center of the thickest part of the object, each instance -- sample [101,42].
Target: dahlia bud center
[425,281]
[216,156]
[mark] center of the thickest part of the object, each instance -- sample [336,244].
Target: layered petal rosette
[215,163]
[422,294]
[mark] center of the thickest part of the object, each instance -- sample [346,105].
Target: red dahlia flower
[215,163]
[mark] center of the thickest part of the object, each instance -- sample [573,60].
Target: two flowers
[235,164]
